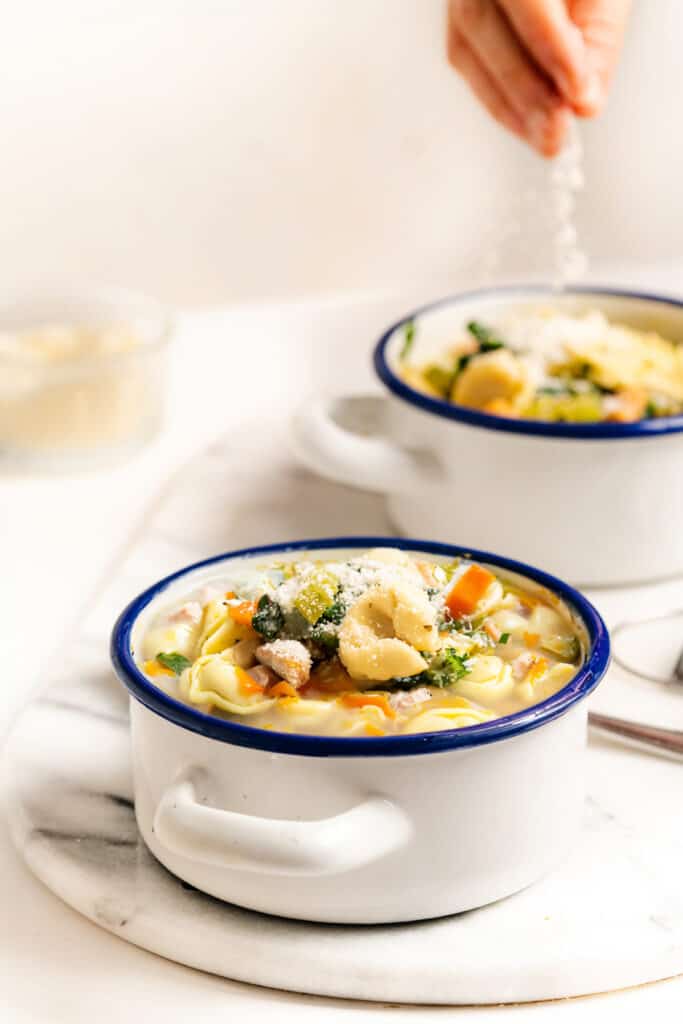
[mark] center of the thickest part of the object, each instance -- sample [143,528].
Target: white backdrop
[245,149]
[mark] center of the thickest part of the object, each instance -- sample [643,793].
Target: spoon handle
[647,737]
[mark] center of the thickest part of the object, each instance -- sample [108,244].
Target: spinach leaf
[408,339]
[176,662]
[268,619]
[487,338]
[335,613]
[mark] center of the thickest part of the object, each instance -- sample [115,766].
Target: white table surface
[58,536]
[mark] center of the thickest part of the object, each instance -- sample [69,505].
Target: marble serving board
[610,917]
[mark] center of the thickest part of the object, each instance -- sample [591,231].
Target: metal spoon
[646,737]
[676,675]
[678,670]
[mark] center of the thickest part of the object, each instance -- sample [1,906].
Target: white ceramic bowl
[356,830]
[595,503]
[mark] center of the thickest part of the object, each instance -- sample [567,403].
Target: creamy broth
[377,643]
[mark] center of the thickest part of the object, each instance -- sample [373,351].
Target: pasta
[545,365]
[374,644]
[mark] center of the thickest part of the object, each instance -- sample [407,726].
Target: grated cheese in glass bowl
[81,378]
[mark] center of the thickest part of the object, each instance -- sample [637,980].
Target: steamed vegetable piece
[177,663]
[371,644]
[408,338]
[468,590]
[268,619]
[487,338]
[317,596]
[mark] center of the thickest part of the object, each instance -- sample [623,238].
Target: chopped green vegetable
[446,667]
[561,389]
[408,339]
[462,362]
[440,379]
[176,662]
[566,408]
[454,626]
[405,682]
[566,647]
[335,613]
[451,568]
[650,410]
[487,338]
[318,596]
[503,638]
[325,639]
[268,619]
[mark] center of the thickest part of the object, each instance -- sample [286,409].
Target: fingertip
[591,97]
[546,132]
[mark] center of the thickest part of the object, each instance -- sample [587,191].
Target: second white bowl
[595,503]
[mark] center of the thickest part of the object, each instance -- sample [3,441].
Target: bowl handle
[372,463]
[188,827]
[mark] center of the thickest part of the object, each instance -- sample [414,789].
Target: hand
[533,62]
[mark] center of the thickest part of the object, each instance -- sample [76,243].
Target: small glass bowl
[87,410]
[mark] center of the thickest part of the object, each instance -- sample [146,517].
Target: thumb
[602,24]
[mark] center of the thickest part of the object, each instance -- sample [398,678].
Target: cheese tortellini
[216,681]
[364,645]
[384,632]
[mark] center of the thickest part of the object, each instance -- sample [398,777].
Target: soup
[545,365]
[379,643]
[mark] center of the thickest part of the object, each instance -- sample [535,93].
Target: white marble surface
[610,917]
[54,964]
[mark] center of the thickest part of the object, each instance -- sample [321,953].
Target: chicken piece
[289,658]
[522,663]
[263,675]
[244,651]
[492,631]
[402,700]
[190,612]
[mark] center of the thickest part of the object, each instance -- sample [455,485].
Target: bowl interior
[437,326]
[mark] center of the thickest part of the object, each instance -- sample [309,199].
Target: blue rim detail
[586,679]
[538,428]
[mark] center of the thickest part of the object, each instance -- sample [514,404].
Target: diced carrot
[242,613]
[531,639]
[361,700]
[282,689]
[246,683]
[155,668]
[631,406]
[468,590]
[538,669]
[229,595]
[373,730]
[498,407]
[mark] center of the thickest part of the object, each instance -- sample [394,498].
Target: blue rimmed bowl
[594,503]
[356,830]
